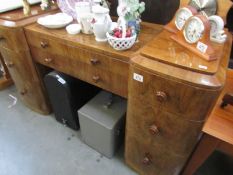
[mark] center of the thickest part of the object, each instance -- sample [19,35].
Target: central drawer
[95,69]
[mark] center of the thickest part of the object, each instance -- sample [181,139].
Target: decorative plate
[58,20]
[68,6]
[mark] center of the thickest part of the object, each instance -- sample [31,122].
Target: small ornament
[46,4]
[26,8]
[131,11]
[217,33]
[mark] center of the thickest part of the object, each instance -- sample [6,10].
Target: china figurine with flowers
[124,35]
[131,10]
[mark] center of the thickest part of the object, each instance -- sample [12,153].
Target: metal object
[205,7]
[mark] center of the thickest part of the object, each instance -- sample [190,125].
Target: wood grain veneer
[16,54]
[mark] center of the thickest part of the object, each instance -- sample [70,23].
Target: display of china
[86,20]
[101,22]
[81,8]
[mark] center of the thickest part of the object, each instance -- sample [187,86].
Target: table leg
[204,149]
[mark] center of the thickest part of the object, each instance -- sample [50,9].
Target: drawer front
[175,97]
[65,50]
[103,74]
[162,128]
[13,39]
[26,80]
[114,73]
[149,160]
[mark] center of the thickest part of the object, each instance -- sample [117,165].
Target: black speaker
[67,95]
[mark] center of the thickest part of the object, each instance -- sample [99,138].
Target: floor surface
[32,144]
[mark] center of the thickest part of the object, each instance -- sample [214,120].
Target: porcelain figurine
[46,4]
[101,23]
[131,10]
[26,8]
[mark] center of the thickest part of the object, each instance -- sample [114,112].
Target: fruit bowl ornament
[122,37]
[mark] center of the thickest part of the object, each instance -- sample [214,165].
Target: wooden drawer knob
[48,60]
[154,130]
[94,61]
[161,96]
[23,92]
[2,38]
[96,79]
[44,44]
[10,64]
[147,160]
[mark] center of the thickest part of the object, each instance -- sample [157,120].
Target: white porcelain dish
[73,29]
[58,20]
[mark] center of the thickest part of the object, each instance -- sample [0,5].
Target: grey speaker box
[102,122]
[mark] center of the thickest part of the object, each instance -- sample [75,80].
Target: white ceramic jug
[102,22]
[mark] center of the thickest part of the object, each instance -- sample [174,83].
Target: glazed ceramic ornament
[131,10]
[26,7]
[45,4]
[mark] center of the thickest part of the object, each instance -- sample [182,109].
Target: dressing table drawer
[12,39]
[147,159]
[112,75]
[183,100]
[26,80]
[162,128]
[66,50]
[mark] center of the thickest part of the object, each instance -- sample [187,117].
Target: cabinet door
[26,79]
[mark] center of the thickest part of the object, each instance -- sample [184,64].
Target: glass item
[81,9]
[68,6]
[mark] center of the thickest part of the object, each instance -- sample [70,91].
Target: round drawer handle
[44,44]
[154,130]
[161,96]
[23,92]
[10,64]
[147,160]
[2,38]
[94,61]
[96,79]
[48,60]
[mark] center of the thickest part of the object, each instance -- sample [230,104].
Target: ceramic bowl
[73,29]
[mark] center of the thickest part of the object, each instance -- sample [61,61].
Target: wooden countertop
[220,121]
[148,31]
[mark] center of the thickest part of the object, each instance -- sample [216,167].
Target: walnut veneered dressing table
[16,54]
[170,90]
